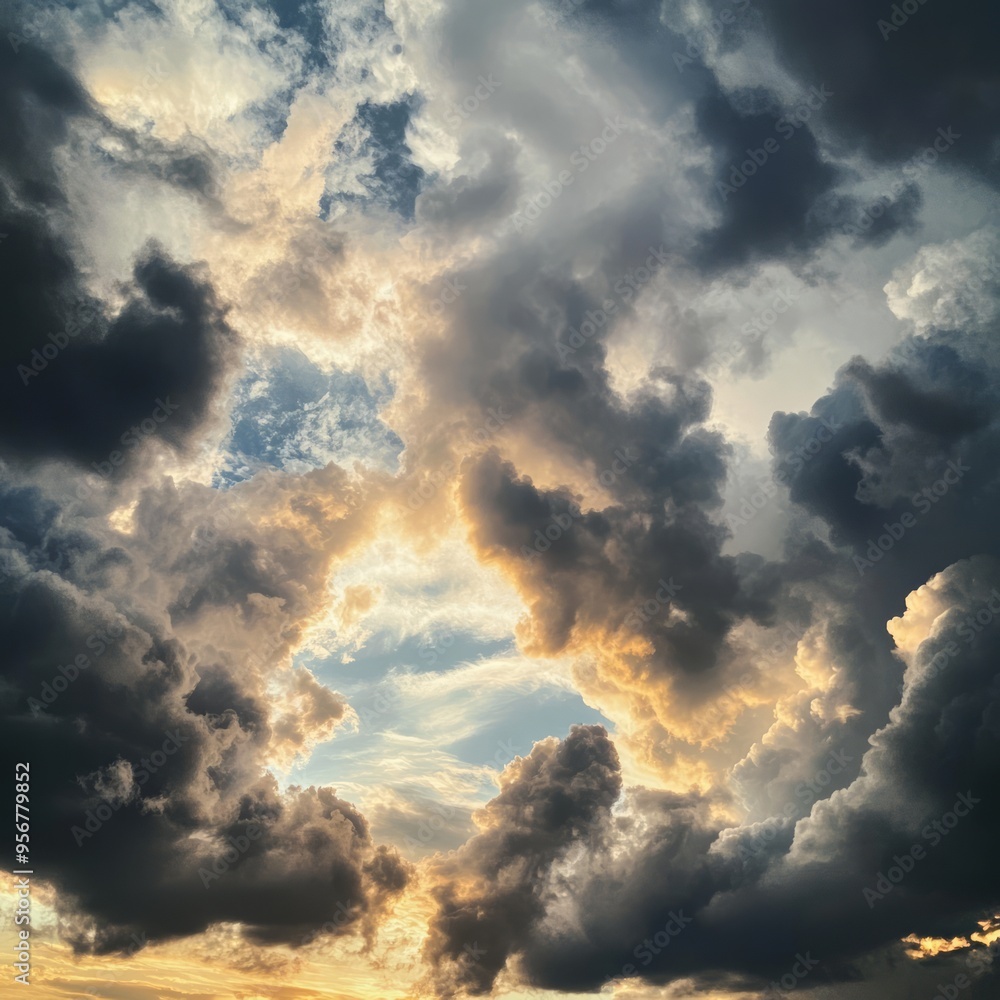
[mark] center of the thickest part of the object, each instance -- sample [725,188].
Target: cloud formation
[571,427]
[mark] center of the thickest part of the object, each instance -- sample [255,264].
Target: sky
[499,498]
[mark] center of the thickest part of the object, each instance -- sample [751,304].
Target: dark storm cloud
[77,382]
[897,84]
[781,204]
[553,799]
[895,428]
[830,484]
[146,754]
[785,210]
[770,178]
[555,885]
[931,403]
[527,337]
[772,184]
[515,341]
[906,486]
[776,189]
[929,749]
[734,907]
[601,566]
[38,96]
[216,693]
[943,410]
[884,91]
[41,97]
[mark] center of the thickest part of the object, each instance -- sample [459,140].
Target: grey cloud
[549,801]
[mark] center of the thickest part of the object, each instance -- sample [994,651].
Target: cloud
[744,896]
[84,380]
[548,802]
[421,366]
[951,286]
[895,87]
[167,718]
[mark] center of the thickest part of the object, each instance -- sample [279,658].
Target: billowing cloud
[549,802]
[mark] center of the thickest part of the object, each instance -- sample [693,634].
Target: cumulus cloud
[549,802]
[669,891]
